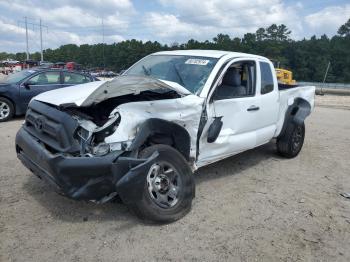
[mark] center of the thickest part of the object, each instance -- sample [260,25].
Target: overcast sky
[167,21]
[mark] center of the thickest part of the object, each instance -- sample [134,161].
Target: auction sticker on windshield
[193,61]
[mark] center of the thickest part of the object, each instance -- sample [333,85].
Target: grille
[52,127]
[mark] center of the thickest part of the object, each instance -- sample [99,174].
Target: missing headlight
[107,129]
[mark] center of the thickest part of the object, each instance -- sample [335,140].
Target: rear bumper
[85,178]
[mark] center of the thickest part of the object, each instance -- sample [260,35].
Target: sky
[166,21]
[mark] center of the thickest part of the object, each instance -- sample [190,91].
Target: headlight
[101,149]
[120,145]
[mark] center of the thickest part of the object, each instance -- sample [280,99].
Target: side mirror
[26,85]
[214,129]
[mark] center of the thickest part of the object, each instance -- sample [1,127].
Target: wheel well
[301,110]
[297,113]
[159,131]
[14,105]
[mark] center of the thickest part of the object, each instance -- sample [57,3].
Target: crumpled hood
[95,92]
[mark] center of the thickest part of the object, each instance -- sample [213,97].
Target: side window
[238,81]
[74,79]
[266,78]
[46,78]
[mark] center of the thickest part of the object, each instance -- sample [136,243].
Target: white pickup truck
[142,135]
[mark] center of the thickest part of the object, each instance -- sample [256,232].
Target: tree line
[307,58]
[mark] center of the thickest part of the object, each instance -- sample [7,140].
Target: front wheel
[169,186]
[6,109]
[291,142]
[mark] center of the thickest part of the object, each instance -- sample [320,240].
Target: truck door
[235,100]
[268,95]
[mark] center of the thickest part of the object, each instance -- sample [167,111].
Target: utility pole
[325,75]
[40,25]
[41,42]
[103,45]
[26,24]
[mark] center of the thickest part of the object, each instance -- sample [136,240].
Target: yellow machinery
[285,76]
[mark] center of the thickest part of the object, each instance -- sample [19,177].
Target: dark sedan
[18,89]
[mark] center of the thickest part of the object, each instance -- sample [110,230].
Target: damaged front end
[86,144]
[78,166]
[91,137]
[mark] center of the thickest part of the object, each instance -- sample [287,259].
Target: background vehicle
[18,89]
[73,66]
[141,135]
[285,76]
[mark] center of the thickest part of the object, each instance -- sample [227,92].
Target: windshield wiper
[178,75]
[146,71]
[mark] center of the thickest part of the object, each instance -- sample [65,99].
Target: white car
[142,135]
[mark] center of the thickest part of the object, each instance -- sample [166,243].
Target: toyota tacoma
[141,136]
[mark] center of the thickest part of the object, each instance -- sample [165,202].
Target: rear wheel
[169,186]
[290,143]
[6,109]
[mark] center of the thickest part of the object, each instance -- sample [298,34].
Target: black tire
[148,208]
[7,109]
[290,143]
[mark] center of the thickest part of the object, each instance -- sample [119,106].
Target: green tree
[344,30]
[307,58]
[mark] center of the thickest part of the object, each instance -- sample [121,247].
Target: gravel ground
[333,101]
[254,206]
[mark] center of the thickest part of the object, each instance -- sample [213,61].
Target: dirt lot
[251,207]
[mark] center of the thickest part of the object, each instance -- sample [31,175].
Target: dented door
[238,133]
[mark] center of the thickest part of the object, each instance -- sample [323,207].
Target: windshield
[190,72]
[17,77]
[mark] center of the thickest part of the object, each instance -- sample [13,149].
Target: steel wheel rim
[4,110]
[164,184]
[297,138]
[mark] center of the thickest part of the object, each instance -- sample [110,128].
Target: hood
[96,92]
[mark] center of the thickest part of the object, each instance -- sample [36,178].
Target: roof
[206,53]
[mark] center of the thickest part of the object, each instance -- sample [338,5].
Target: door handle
[253,108]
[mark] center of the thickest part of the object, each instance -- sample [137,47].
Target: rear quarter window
[266,78]
[74,79]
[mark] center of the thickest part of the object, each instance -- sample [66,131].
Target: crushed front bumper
[85,178]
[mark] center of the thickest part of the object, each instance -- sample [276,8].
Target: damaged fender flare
[130,186]
[158,127]
[296,113]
